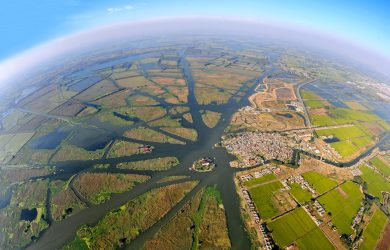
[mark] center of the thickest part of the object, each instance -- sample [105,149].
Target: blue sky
[26,23]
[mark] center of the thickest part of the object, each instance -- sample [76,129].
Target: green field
[376,183]
[373,231]
[262,179]
[320,182]
[381,166]
[262,197]
[337,116]
[343,203]
[314,239]
[351,138]
[300,194]
[298,226]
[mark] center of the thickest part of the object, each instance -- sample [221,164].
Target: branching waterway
[62,232]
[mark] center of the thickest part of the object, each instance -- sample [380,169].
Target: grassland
[63,201]
[99,187]
[381,166]
[262,197]
[71,152]
[123,148]
[210,118]
[156,164]
[122,225]
[300,194]
[213,232]
[144,113]
[109,117]
[146,134]
[178,233]
[343,203]
[186,133]
[375,182]
[372,233]
[298,226]
[17,232]
[320,182]
[260,180]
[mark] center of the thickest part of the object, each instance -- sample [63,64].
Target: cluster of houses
[297,106]
[144,149]
[249,146]
[320,209]
[258,174]
[302,182]
[358,218]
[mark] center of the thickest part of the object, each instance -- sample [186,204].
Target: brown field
[355,105]
[210,118]
[69,108]
[384,242]
[115,100]
[98,187]
[266,121]
[285,94]
[135,82]
[63,200]
[140,100]
[188,117]
[123,148]
[169,81]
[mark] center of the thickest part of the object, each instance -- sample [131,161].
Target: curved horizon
[43,53]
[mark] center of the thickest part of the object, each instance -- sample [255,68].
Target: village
[254,148]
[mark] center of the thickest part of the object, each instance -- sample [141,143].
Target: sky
[25,24]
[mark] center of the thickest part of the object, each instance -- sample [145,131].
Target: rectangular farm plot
[97,90]
[342,204]
[349,139]
[320,182]
[260,180]
[373,231]
[11,144]
[381,166]
[297,226]
[376,182]
[263,197]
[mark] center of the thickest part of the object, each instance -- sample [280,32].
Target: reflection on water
[28,214]
[50,141]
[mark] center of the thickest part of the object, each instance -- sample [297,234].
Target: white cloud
[113,10]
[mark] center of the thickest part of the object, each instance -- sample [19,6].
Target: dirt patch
[384,242]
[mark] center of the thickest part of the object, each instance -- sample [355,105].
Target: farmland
[262,197]
[260,180]
[374,229]
[300,194]
[381,166]
[375,182]
[298,226]
[320,182]
[342,204]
